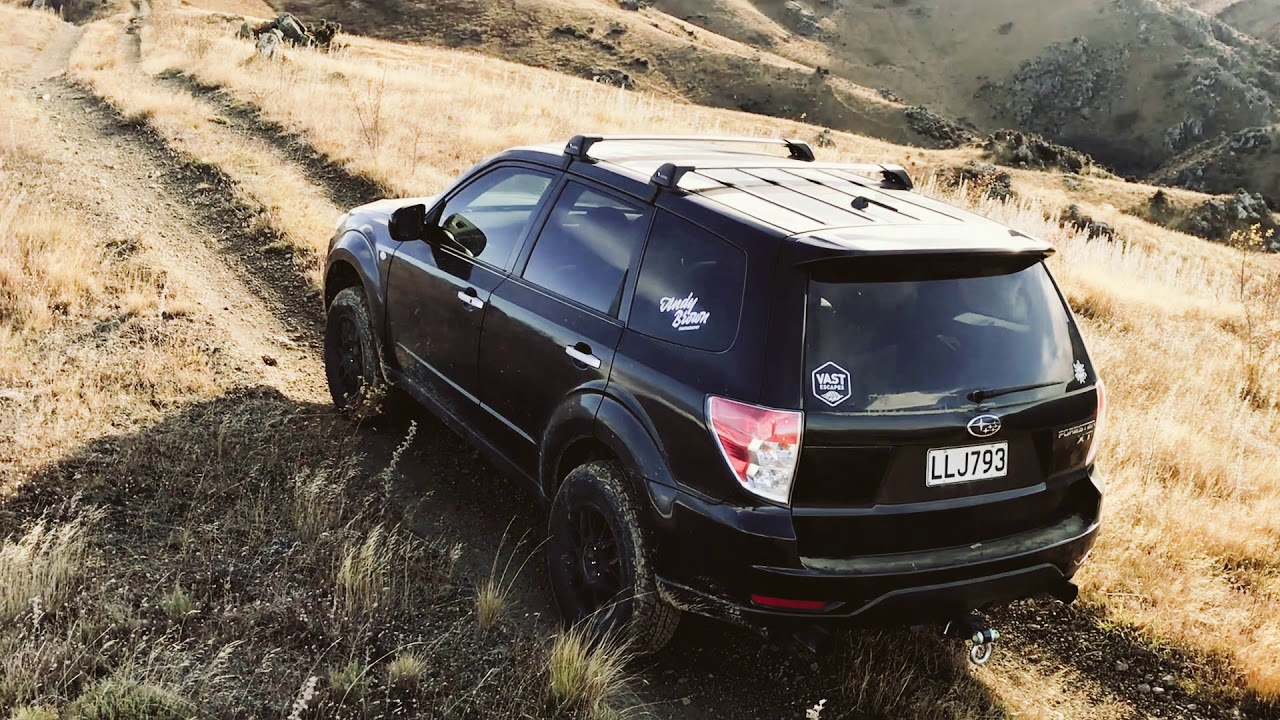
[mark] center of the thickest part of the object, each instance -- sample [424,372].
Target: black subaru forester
[763,388]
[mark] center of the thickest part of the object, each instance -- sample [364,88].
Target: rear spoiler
[916,241]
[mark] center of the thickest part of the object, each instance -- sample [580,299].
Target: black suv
[763,388]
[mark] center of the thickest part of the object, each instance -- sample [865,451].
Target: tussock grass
[376,572]
[124,699]
[585,675]
[28,712]
[406,669]
[349,681]
[39,570]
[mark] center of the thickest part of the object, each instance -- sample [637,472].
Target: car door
[437,291]
[552,330]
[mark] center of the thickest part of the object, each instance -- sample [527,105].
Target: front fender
[354,250]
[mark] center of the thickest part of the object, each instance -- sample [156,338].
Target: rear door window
[926,343]
[690,286]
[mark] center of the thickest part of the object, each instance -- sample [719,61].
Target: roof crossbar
[579,147]
[670,174]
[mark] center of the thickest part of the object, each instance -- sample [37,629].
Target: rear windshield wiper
[980,395]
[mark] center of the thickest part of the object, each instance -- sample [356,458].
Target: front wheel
[351,360]
[600,560]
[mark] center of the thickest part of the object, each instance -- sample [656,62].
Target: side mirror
[408,223]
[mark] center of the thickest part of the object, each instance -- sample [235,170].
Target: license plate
[966,464]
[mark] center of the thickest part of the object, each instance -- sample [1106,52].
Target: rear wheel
[600,560]
[351,360]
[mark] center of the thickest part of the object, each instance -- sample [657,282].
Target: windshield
[914,344]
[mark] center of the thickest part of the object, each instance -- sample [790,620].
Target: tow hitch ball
[977,634]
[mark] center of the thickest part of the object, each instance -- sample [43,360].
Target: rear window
[922,341]
[690,286]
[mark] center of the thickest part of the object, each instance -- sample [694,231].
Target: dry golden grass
[586,676]
[39,570]
[1190,552]
[285,202]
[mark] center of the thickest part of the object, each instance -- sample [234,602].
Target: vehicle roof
[828,205]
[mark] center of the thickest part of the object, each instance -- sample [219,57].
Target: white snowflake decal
[1081,375]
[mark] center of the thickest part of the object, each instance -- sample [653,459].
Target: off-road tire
[640,617]
[349,306]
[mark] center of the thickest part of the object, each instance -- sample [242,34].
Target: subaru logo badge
[984,426]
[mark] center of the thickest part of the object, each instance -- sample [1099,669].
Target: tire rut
[344,188]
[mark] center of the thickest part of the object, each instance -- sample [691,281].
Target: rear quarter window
[689,290]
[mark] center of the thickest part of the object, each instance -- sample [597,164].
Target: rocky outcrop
[981,179]
[940,131]
[294,32]
[800,19]
[1027,150]
[1217,218]
[1069,81]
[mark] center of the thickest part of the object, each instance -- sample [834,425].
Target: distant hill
[1142,85]
[1259,18]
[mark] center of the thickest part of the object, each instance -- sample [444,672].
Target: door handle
[468,297]
[583,356]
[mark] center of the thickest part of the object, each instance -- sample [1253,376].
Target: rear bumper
[712,559]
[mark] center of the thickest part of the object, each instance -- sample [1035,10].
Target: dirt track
[187,221]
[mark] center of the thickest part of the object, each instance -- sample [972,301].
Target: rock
[635,4]
[983,178]
[888,94]
[1122,666]
[268,45]
[1157,690]
[1167,679]
[269,361]
[245,32]
[945,133]
[800,19]
[1010,147]
[1074,217]
[1145,689]
[1217,218]
[613,76]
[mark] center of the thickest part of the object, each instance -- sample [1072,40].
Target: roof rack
[580,145]
[669,175]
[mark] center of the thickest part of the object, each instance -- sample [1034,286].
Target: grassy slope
[1187,553]
[178,537]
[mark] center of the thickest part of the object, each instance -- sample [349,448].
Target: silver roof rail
[580,146]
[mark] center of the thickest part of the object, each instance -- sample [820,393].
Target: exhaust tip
[1066,592]
[814,638]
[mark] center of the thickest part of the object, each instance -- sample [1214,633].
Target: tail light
[1098,423]
[760,445]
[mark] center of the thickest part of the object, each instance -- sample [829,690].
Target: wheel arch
[352,262]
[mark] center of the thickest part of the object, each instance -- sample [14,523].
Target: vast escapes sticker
[831,384]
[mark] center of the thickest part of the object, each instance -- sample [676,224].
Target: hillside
[187,528]
[1259,18]
[647,51]
[1135,83]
